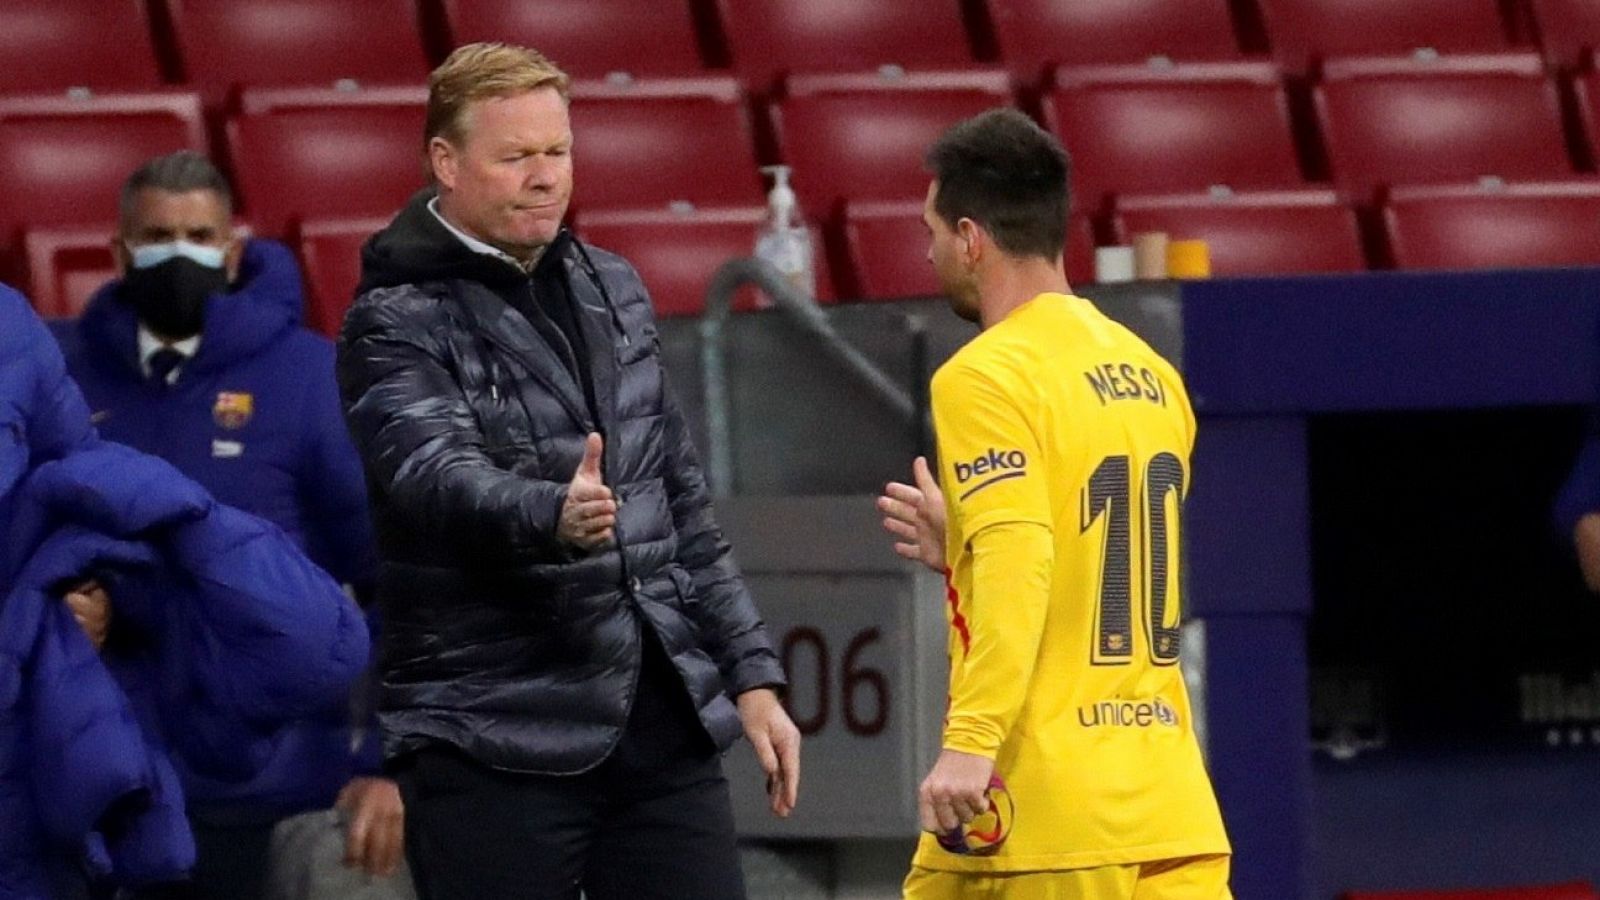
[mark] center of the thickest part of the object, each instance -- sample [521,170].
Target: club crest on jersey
[233,409]
[990,467]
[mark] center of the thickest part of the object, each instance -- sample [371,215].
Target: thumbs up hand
[589,517]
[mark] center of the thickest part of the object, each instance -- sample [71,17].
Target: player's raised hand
[589,516]
[914,514]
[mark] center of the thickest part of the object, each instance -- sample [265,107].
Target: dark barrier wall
[1261,358]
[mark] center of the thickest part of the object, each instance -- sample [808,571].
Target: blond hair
[480,72]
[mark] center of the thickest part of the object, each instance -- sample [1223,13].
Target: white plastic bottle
[784,241]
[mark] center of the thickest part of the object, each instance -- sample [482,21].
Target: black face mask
[170,298]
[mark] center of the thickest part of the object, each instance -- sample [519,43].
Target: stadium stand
[63,157]
[588,38]
[1410,120]
[1163,128]
[1253,233]
[772,38]
[653,142]
[678,250]
[861,137]
[330,253]
[227,44]
[1304,31]
[888,250]
[320,153]
[1494,226]
[54,45]
[1038,35]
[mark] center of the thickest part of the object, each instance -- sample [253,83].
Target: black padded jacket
[497,638]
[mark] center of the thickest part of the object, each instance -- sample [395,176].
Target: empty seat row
[319,153]
[1447,226]
[219,45]
[881,251]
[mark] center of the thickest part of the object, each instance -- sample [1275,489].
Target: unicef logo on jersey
[993,466]
[1128,714]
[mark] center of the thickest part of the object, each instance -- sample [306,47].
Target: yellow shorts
[1195,878]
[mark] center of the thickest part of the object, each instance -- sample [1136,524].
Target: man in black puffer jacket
[567,642]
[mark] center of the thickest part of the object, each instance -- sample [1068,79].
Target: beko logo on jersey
[995,465]
[1128,714]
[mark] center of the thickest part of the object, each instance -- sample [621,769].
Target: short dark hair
[1007,174]
[178,173]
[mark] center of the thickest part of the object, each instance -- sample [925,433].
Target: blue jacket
[222,629]
[255,419]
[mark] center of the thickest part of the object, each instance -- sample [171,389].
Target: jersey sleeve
[998,505]
[989,457]
[1011,565]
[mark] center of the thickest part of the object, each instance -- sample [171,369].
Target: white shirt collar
[149,344]
[473,243]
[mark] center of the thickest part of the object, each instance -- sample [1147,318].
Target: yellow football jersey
[1064,445]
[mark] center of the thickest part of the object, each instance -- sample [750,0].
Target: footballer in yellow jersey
[1064,444]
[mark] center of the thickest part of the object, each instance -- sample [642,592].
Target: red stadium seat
[676,253]
[1040,34]
[1266,233]
[67,265]
[228,43]
[1304,30]
[777,37]
[651,143]
[889,250]
[330,254]
[63,158]
[862,137]
[57,44]
[1164,128]
[587,38]
[1588,91]
[316,153]
[1442,120]
[1579,890]
[1569,29]
[1496,226]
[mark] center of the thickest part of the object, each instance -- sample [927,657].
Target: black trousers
[653,821]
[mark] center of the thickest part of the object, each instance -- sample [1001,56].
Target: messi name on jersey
[1121,381]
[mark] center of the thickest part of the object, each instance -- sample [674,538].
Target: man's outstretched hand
[914,514]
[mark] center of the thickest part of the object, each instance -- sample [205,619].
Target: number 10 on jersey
[1109,495]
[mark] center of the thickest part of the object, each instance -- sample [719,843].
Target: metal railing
[803,312]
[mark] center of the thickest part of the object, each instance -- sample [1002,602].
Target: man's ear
[443,162]
[972,242]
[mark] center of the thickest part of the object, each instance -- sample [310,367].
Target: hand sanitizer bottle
[784,241]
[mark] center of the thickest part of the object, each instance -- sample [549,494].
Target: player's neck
[1007,287]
